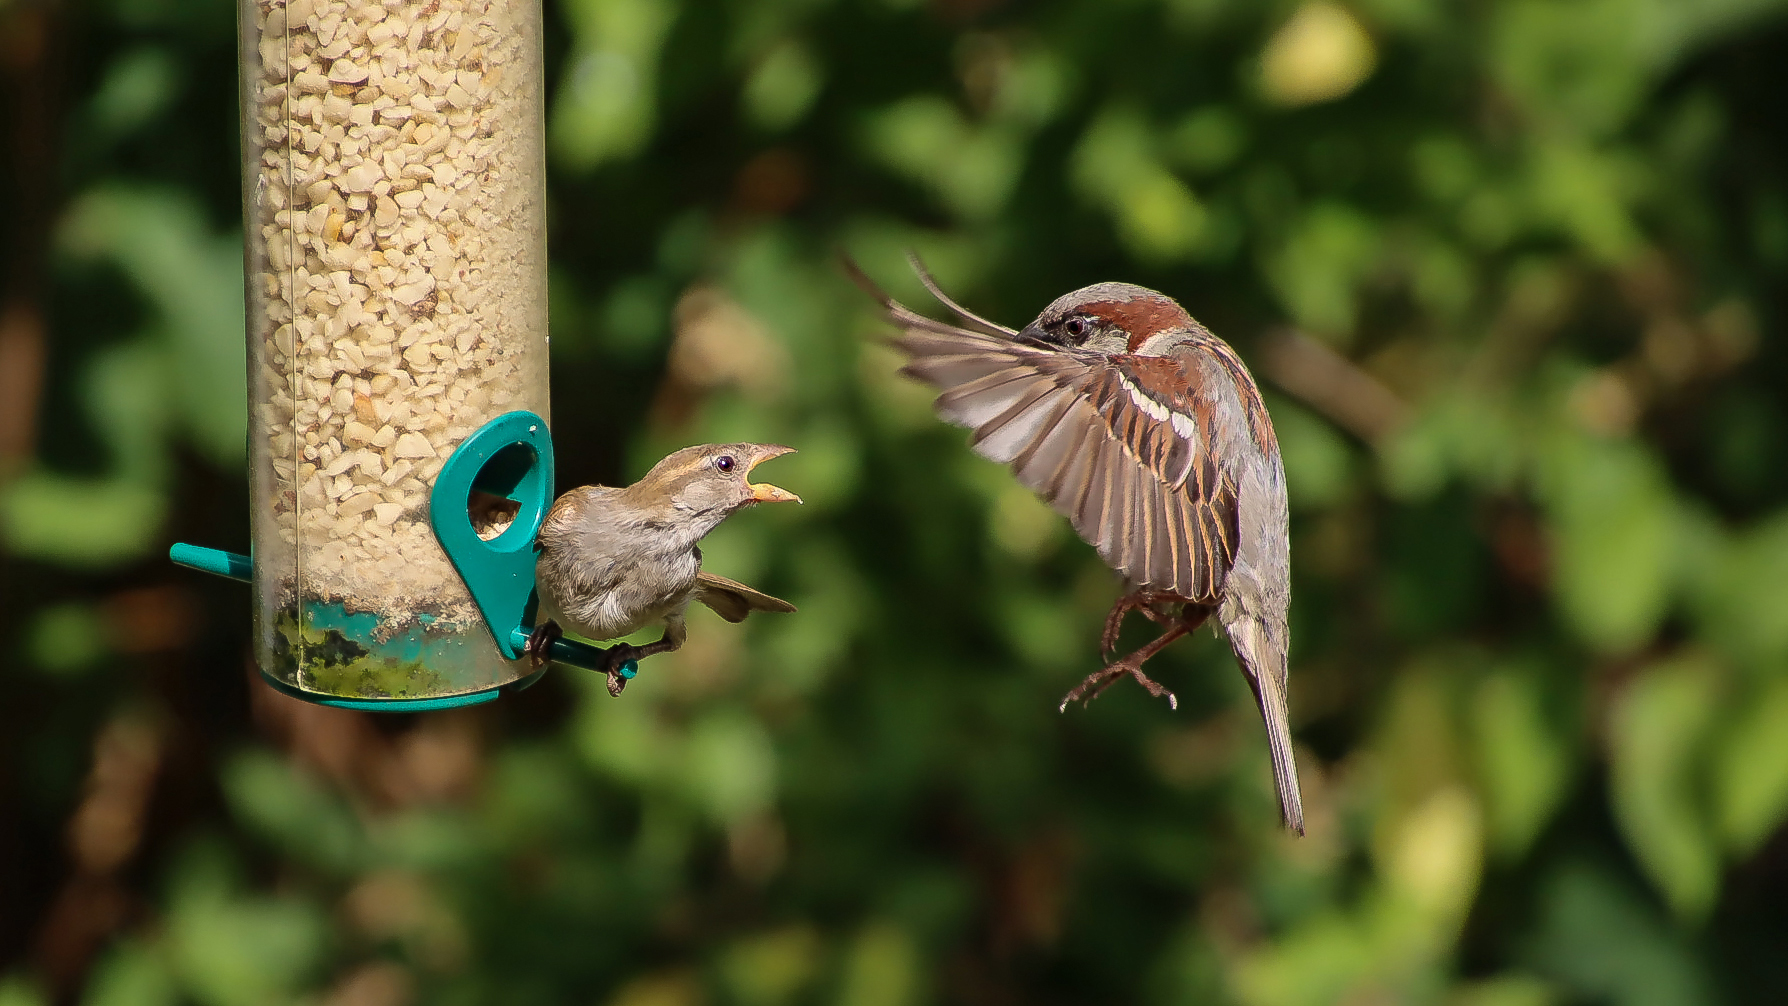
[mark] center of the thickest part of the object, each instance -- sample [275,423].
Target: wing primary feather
[980,403]
[1160,550]
[973,319]
[1040,463]
[1089,515]
[1111,528]
[1199,548]
[1070,475]
[1179,558]
[1116,508]
[986,412]
[1142,543]
[1222,504]
[1069,484]
[1002,439]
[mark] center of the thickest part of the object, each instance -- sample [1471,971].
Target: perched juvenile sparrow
[613,561]
[1145,430]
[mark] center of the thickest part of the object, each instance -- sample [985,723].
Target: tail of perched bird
[1263,659]
[732,600]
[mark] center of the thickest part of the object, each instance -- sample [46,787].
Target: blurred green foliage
[1540,664]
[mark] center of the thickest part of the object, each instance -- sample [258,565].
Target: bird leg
[1190,618]
[1140,600]
[540,642]
[1108,675]
[617,655]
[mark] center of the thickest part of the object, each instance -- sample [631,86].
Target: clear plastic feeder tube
[393,191]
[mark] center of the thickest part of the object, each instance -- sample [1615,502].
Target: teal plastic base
[405,705]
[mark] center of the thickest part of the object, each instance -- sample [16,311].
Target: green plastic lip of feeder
[510,457]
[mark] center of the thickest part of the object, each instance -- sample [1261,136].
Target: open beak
[764,492]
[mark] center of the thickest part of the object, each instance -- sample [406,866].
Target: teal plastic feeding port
[412,665]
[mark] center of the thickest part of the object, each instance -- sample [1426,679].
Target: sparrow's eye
[1076,327]
[724,462]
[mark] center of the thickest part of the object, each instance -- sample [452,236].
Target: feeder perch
[510,458]
[400,461]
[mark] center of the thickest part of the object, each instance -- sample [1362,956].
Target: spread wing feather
[1106,440]
[970,318]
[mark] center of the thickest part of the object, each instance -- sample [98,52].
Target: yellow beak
[764,492]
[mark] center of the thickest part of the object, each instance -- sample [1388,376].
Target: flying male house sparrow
[1147,432]
[613,561]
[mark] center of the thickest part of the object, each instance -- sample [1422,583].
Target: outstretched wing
[1121,445]
[732,600]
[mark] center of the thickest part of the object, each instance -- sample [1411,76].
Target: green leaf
[1750,770]
[236,950]
[132,974]
[1613,522]
[1505,990]
[1318,462]
[606,107]
[729,765]
[771,968]
[1657,730]
[16,990]
[1524,765]
[1742,593]
[972,168]
[881,968]
[138,86]
[1603,942]
[80,522]
[1115,166]
[1318,270]
[66,639]
[294,811]
[194,280]
[782,87]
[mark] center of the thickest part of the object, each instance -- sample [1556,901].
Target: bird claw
[539,648]
[620,663]
[1109,675]
[1155,688]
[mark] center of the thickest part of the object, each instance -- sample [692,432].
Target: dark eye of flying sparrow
[724,462]
[1076,327]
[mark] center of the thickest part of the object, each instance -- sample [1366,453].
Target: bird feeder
[393,208]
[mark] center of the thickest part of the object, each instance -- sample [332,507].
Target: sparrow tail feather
[1260,661]
[1285,767]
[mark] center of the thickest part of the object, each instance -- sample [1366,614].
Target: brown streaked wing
[1179,554]
[981,401]
[1081,429]
[1199,550]
[954,369]
[1089,518]
[1124,515]
[993,398]
[1207,500]
[1040,465]
[1009,435]
[1144,547]
[1161,557]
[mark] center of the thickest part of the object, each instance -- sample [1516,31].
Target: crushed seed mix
[396,268]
